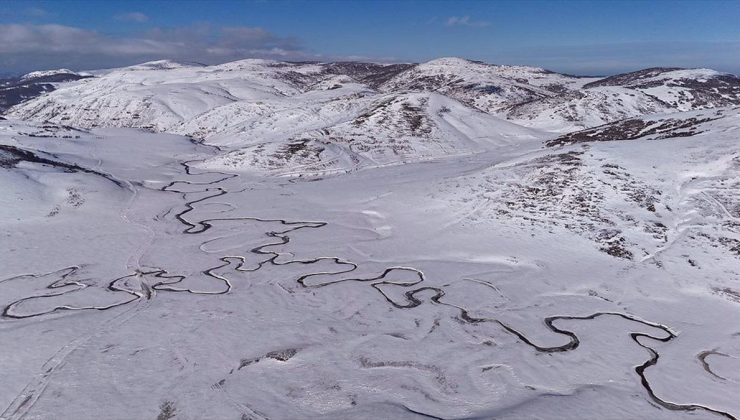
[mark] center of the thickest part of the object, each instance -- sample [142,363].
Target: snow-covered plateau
[451,240]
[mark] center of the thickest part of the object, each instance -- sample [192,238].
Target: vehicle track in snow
[34,389]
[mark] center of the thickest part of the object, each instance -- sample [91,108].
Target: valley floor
[593,280]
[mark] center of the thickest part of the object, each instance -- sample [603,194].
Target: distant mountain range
[14,90]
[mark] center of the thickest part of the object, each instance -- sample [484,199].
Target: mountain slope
[393,129]
[483,86]
[648,91]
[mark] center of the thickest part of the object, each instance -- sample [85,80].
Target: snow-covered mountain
[392,129]
[20,89]
[62,74]
[484,86]
[627,95]
[293,117]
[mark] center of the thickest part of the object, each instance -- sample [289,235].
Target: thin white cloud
[605,59]
[31,46]
[54,38]
[465,21]
[36,12]
[136,17]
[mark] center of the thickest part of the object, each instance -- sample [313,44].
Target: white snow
[44,73]
[353,252]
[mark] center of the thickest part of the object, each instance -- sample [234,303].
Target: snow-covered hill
[250,102]
[43,74]
[293,118]
[628,95]
[483,86]
[392,129]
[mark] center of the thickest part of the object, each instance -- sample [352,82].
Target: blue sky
[580,37]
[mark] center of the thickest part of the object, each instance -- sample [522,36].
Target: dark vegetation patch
[411,120]
[371,74]
[282,355]
[614,244]
[298,149]
[634,128]
[167,411]
[416,118]
[732,244]
[629,78]
[298,79]
[374,110]
[731,294]
[11,156]
[487,89]
[617,250]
